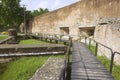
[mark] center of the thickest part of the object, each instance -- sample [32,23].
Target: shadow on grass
[3,67]
[69,72]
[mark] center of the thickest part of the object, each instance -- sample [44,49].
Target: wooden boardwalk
[85,65]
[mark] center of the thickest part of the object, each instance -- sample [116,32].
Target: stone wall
[109,35]
[85,13]
[34,48]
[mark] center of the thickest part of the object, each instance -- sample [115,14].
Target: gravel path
[51,70]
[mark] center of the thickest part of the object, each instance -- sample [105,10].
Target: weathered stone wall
[14,48]
[85,13]
[109,35]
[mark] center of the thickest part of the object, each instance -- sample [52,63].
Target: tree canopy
[40,11]
[12,14]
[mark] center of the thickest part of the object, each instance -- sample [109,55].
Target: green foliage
[21,69]
[3,67]
[31,41]
[92,48]
[3,37]
[40,11]
[11,13]
[116,72]
[105,61]
[4,33]
[58,56]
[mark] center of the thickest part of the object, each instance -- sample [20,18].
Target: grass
[106,62]
[116,68]
[3,37]
[31,41]
[58,56]
[23,68]
[92,48]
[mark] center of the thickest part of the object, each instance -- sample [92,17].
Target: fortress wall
[85,13]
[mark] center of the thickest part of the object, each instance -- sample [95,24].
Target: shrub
[4,33]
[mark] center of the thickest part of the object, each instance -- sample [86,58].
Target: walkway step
[85,65]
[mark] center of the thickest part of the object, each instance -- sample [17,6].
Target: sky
[50,4]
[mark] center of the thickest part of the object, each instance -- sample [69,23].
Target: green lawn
[106,62]
[23,68]
[3,37]
[92,48]
[31,41]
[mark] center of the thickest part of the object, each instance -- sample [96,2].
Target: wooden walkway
[85,65]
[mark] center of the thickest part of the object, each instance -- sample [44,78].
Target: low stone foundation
[4,60]
[51,70]
[14,48]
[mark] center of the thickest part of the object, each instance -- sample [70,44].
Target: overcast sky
[50,4]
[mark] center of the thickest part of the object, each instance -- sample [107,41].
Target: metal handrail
[112,60]
[96,50]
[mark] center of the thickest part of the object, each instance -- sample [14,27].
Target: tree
[40,11]
[11,14]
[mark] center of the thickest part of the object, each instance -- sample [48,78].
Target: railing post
[70,41]
[46,37]
[68,55]
[80,38]
[64,74]
[64,43]
[60,37]
[112,60]
[96,49]
[56,41]
[50,40]
[89,43]
[85,40]
[41,37]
